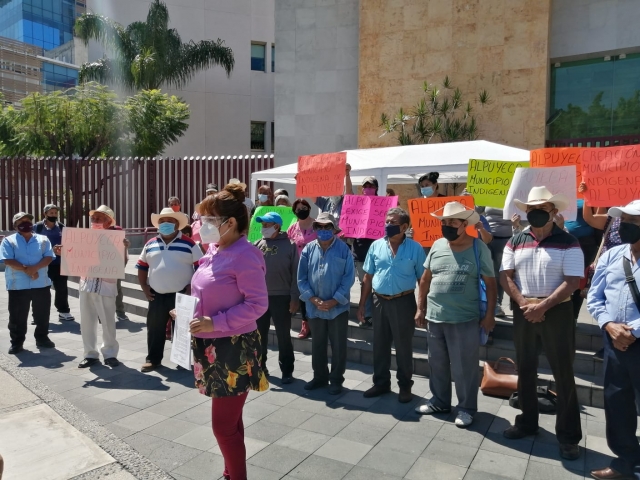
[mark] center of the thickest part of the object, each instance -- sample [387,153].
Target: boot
[304,331]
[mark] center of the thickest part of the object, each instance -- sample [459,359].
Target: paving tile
[320,468]
[307,404]
[388,461]
[170,429]
[119,431]
[289,416]
[202,467]
[251,445]
[117,395]
[140,420]
[363,433]
[145,444]
[104,411]
[171,455]
[451,453]
[200,437]
[261,473]
[343,450]
[544,471]
[259,410]
[361,473]
[550,454]
[200,415]
[425,469]
[325,425]
[356,399]
[461,436]
[341,411]
[141,400]
[303,440]
[478,475]
[278,397]
[266,431]
[499,464]
[278,458]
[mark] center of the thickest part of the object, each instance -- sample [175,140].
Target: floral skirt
[228,366]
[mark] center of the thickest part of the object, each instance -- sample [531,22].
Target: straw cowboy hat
[540,195]
[457,210]
[106,210]
[168,212]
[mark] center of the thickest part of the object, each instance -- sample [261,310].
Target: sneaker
[463,419]
[122,317]
[500,312]
[430,409]
[66,317]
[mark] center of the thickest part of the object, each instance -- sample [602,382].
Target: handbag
[482,295]
[500,379]
[547,400]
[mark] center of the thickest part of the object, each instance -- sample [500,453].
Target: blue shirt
[394,275]
[15,247]
[609,298]
[53,234]
[579,227]
[326,275]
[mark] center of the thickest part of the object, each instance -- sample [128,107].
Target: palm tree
[147,54]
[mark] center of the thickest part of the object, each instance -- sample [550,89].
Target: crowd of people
[545,265]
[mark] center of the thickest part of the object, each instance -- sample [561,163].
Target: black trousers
[157,318]
[335,331]
[557,334]
[278,311]
[393,320]
[589,246]
[621,384]
[61,300]
[39,299]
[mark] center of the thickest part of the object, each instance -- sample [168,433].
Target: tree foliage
[441,113]
[148,54]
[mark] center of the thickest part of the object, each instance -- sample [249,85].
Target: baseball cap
[270,217]
[632,208]
[49,207]
[21,215]
[371,180]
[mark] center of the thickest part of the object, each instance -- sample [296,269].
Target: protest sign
[427,228]
[612,175]
[181,341]
[363,216]
[321,175]
[92,253]
[558,157]
[557,180]
[288,218]
[489,180]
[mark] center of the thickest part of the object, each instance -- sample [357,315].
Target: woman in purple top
[232,292]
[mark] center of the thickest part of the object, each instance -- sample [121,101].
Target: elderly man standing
[26,256]
[541,268]
[281,259]
[614,301]
[165,267]
[391,269]
[326,273]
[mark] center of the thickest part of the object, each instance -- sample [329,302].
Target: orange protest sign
[612,175]
[321,175]
[427,228]
[559,157]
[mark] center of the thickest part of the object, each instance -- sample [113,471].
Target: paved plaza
[290,433]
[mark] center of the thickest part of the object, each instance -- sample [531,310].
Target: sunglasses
[318,226]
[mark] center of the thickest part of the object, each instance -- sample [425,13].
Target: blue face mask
[263,197]
[324,235]
[166,228]
[426,191]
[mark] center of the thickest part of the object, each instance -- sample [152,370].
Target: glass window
[273,58]
[257,136]
[258,57]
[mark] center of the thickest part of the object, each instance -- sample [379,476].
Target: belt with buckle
[391,297]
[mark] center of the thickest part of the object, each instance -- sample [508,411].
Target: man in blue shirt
[326,273]
[393,267]
[26,257]
[611,302]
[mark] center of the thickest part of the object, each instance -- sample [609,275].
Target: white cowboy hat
[106,210]
[457,210]
[540,195]
[168,212]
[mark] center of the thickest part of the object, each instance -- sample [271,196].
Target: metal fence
[133,187]
[612,141]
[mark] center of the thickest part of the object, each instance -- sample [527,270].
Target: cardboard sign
[427,228]
[612,175]
[92,253]
[255,228]
[363,216]
[559,157]
[489,180]
[321,175]
[557,180]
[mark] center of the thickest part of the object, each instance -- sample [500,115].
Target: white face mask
[210,233]
[268,232]
[263,197]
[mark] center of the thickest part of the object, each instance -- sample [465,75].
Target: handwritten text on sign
[321,175]
[612,175]
[557,180]
[363,216]
[92,253]
[489,180]
[255,228]
[427,228]
[558,157]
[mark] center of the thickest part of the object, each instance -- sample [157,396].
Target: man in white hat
[541,268]
[614,302]
[165,267]
[449,299]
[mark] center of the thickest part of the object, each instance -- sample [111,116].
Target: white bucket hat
[168,212]
[457,210]
[632,208]
[540,195]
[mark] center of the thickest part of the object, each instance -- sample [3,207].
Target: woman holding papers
[232,292]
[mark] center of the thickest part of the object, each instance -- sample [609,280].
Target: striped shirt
[540,267]
[170,265]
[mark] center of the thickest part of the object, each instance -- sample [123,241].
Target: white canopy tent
[405,164]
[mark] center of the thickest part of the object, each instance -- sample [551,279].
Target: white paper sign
[92,253]
[557,180]
[181,344]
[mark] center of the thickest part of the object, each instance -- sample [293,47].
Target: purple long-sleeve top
[231,288]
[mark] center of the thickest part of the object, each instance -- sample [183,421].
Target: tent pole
[254,187]
[382,182]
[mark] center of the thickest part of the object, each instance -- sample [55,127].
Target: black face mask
[450,233]
[629,232]
[303,214]
[52,219]
[538,218]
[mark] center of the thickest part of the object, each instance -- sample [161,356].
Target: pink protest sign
[363,216]
[92,253]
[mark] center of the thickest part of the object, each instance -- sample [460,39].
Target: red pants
[226,419]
